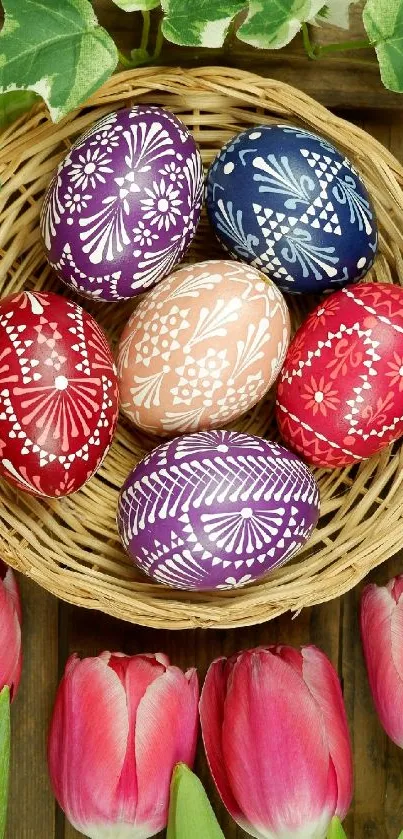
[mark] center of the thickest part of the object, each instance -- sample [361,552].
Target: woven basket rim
[360,519]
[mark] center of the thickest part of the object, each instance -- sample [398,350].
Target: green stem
[141,55]
[308,45]
[317,50]
[124,60]
[336,829]
[363,44]
[4,756]
[146,30]
[159,42]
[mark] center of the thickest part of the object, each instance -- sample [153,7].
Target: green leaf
[137,5]
[336,830]
[336,12]
[383,20]
[190,813]
[55,48]
[199,23]
[14,104]
[271,24]
[4,756]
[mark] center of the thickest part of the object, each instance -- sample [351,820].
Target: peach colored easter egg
[202,348]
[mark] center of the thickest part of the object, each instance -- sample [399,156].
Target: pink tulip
[276,738]
[120,725]
[10,631]
[382,639]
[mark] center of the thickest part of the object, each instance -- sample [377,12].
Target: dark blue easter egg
[292,205]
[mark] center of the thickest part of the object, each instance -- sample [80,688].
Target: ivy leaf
[272,25]
[14,104]
[383,20]
[190,812]
[199,23]
[137,5]
[336,12]
[55,48]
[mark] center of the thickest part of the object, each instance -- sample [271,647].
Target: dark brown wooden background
[53,630]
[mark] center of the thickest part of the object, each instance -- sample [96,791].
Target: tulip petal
[166,734]
[382,639]
[395,587]
[212,704]
[291,655]
[136,673]
[281,783]
[87,741]
[11,585]
[10,633]
[322,680]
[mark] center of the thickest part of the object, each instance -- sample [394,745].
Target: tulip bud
[382,640]
[120,725]
[10,631]
[276,738]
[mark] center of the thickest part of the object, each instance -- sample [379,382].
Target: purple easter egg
[216,510]
[124,204]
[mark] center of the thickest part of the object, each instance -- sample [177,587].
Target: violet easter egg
[216,509]
[58,394]
[340,393]
[202,348]
[124,204]
[291,204]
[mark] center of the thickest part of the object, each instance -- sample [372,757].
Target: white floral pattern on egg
[124,204]
[202,348]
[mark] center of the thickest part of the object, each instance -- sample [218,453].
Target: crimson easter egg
[340,394]
[124,203]
[58,394]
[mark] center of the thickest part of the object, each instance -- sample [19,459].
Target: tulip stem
[336,829]
[4,756]
[190,812]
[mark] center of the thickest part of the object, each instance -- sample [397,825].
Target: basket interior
[71,546]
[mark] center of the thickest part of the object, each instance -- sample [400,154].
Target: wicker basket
[71,546]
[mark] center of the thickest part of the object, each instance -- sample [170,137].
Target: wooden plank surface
[377,810]
[52,631]
[343,80]
[31,804]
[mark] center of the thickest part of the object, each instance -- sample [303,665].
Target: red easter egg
[340,393]
[58,394]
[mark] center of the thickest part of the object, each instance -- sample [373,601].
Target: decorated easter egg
[58,394]
[340,394]
[216,509]
[202,348]
[291,204]
[124,204]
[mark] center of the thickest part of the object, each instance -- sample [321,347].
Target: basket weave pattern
[71,546]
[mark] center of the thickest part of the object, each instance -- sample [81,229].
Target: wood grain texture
[378,764]
[377,810]
[343,80]
[31,805]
